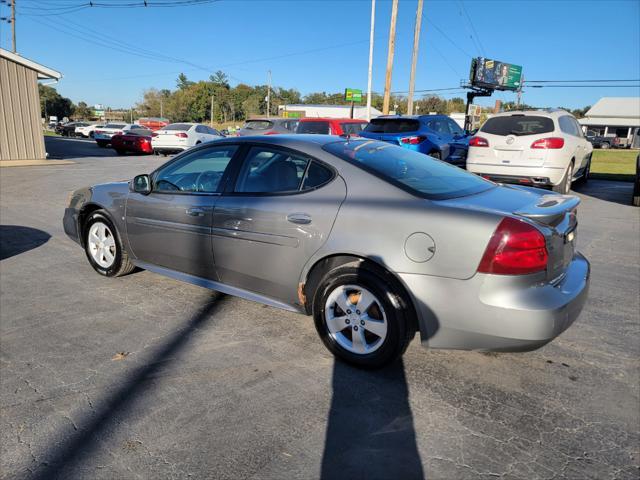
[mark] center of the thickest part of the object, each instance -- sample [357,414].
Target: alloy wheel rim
[356,319]
[102,244]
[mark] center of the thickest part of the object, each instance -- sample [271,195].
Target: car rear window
[392,125]
[321,128]
[115,125]
[518,125]
[352,128]
[178,126]
[409,170]
[258,125]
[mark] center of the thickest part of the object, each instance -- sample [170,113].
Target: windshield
[114,125]
[258,125]
[392,125]
[518,125]
[415,172]
[352,128]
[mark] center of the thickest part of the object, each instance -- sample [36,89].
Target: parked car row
[543,148]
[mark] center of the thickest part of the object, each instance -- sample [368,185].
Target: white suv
[543,148]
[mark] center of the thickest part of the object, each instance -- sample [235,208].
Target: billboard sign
[353,95]
[488,73]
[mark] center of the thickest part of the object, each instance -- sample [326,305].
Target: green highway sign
[494,74]
[353,95]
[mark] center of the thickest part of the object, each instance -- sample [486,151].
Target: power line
[474,36]
[64,10]
[583,86]
[447,36]
[579,81]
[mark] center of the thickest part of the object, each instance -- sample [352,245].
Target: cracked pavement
[218,387]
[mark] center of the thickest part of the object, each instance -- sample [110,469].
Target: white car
[542,148]
[103,135]
[87,131]
[177,137]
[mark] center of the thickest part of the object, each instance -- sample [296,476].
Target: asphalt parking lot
[146,377]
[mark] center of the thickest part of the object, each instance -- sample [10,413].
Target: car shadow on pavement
[63,456]
[608,190]
[370,432]
[16,239]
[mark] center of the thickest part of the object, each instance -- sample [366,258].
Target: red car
[331,126]
[131,142]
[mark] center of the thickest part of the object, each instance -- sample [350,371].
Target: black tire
[584,179]
[564,186]
[91,134]
[102,143]
[605,145]
[121,264]
[435,154]
[121,152]
[401,326]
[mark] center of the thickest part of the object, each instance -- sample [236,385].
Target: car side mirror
[141,184]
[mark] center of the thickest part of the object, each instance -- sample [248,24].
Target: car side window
[578,127]
[438,126]
[201,129]
[267,170]
[568,126]
[316,176]
[199,171]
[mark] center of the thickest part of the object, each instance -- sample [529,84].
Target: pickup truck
[600,141]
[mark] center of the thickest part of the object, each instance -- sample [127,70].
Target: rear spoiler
[549,208]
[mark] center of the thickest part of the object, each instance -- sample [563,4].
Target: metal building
[20,118]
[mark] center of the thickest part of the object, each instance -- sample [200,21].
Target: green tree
[182,82]
[82,111]
[52,103]
[220,78]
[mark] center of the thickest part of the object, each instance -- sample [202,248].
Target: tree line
[216,100]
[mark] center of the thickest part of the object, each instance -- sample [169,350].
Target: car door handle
[195,212]
[299,218]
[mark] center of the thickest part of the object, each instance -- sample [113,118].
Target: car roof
[547,112]
[331,119]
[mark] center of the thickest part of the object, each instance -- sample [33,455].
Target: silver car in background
[375,241]
[268,126]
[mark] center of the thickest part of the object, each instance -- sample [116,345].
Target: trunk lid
[553,214]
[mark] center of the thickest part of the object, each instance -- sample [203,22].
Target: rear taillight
[516,248]
[415,140]
[478,142]
[271,132]
[182,135]
[551,143]
[154,134]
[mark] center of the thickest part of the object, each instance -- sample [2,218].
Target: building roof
[618,107]
[43,72]
[610,121]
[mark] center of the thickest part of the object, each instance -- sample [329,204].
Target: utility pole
[211,111]
[13,24]
[161,113]
[519,92]
[373,22]
[414,58]
[269,95]
[392,45]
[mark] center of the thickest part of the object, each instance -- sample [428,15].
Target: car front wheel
[361,318]
[103,246]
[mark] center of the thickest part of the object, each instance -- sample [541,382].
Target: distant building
[617,117]
[21,135]
[325,111]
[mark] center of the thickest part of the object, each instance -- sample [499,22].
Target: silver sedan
[373,240]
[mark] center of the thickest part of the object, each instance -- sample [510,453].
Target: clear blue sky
[553,40]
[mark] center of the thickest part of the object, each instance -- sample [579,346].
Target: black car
[599,141]
[69,129]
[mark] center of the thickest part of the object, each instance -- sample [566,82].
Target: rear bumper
[169,148]
[496,312]
[538,176]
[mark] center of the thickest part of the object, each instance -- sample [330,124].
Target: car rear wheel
[103,246]
[120,151]
[102,144]
[605,145]
[565,185]
[91,134]
[360,318]
[435,154]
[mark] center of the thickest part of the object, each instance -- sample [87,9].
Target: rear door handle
[195,212]
[299,218]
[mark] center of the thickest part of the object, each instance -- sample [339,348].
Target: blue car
[435,135]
